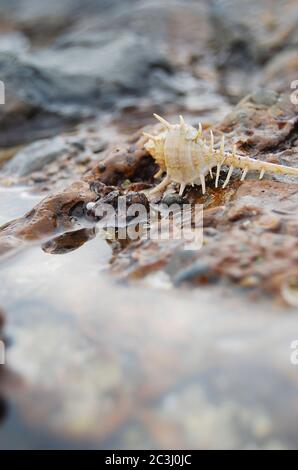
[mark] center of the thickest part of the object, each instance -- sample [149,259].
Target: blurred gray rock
[281,70]
[251,30]
[246,35]
[65,85]
[43,20]
[103,68]
[35,156]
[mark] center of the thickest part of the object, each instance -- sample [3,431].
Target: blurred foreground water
[105,365]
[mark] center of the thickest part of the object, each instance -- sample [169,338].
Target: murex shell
[185,155]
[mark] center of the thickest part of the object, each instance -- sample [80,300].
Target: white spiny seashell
[186,156]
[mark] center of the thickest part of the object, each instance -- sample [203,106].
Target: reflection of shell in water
[289,290]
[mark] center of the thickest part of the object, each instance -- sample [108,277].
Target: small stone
[173,198]
[243,212]
[101,167]
[199,271]
[39,177]
[179,261]
[250,281]
[265,97]
[137,198]
[270,223]
[210,232]
[83,158]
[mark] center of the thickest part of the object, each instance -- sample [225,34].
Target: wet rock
[127,57]
[140,258]
[250,256]
[56,211]
[214,216]
[182,29]
[260,122]
[51,163]
[42,22]
[69,241]
[281,71]
[122,163]
[60,86]
[265,97]
[169,199]
[199,272]
[251,31]
[179,261]
[239,212]
[121,203]
[25,115]
[78,210]
[52,213]
[247,249]
[133,197]
[270,223]
[111,198]
[231,31]
[101,69]
[245,36]
[101,189]
[35,156]
[137,187]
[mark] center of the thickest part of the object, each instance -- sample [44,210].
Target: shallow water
[99,364]
[15,201]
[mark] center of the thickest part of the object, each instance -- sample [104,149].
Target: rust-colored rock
[124,162]
[261,122]
[50,215]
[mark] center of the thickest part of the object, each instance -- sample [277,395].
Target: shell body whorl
[184,157]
